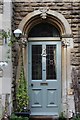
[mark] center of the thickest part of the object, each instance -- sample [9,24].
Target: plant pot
[62,118]
[23,114]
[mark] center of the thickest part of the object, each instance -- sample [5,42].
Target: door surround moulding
[54,14]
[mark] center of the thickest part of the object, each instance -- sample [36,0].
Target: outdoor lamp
[17,33]
[22,38]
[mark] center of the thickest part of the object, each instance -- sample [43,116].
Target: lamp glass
[17,32]
[17,35]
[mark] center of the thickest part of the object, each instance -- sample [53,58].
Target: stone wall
[1,6]
[71,11]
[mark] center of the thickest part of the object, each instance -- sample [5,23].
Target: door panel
[44,77]
[52,98]
[36,98]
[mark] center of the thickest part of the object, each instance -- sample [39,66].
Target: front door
[44,75]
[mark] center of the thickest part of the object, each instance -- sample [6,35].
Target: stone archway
[59,17]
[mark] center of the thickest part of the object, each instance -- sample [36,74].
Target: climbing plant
[22,94]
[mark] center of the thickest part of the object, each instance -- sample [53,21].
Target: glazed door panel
[44,75]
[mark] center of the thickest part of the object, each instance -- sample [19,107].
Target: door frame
[45,39]
[66,38]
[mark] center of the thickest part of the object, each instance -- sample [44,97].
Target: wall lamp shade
[17,32]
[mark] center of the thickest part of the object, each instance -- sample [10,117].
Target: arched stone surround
[59,21]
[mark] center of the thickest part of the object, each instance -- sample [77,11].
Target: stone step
[43,118]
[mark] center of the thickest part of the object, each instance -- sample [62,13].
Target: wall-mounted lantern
[18,34]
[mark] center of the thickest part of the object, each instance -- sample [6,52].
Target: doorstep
[41,117]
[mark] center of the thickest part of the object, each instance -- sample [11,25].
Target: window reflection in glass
[51,62]
[44,30]
[36,62]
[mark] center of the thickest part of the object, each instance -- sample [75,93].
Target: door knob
[31,84]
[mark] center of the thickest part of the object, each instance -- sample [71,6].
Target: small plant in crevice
[7,37]
[62,116]
[76,116]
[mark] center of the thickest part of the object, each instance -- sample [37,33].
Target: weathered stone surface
[75,59]
[75,50]
[1,7]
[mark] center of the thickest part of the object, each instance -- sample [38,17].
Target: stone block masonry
[1,6]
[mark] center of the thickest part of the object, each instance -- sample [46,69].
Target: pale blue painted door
[44,75]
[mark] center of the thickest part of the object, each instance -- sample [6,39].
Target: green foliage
[22,94]
[77,117]
[62,116]
[14,117]
[6,35]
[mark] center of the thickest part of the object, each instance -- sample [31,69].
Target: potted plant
[22,95]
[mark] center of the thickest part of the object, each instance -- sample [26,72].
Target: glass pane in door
[36,62]
[51,62]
